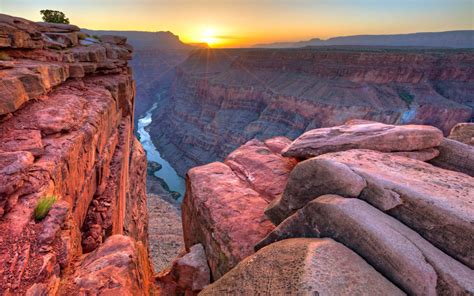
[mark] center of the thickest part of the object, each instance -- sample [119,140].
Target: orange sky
[224,23]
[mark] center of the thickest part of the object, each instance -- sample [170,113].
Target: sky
[225,23]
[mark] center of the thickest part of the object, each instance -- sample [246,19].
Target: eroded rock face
[224,214]
[396,251]
[224,203]
[266,170]
[221,99]
[119,267]
[437,203]
[303,267]
[364,135]
[187,275]
[71,138]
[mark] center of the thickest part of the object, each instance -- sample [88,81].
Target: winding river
[167,172]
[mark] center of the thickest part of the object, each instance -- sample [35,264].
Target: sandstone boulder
[224,214]
[455,156]
[463,132]
[187,275]
[303,267]
[312,178]
[437,203]
[396,251]
[267,172]
[364,135]
[117,267]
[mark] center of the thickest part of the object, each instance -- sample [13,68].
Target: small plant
[406,96]
[95,37]
[4,56]
[81,36]
[44,205]
[54,16]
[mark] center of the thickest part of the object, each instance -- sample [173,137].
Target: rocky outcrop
[409,220]
[224,203]
[187,274]
[392,248]
[364,135]
[303,267]
[399,186]
[120,266]
[220,99]
[66,130]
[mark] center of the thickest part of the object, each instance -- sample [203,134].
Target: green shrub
[406,96]
[95,37]
[4,56]
[54,16]
[43,206]
[81,36]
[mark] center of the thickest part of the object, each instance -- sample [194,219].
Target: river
[167,172]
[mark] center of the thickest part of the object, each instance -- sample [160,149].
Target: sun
[209,36]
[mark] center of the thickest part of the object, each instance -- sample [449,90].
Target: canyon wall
[66,130]
[220,98]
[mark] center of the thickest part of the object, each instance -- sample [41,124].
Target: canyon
[66,126]
[315,171]
[220,98]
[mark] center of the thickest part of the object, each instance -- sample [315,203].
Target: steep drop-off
[66,130]
[219,99]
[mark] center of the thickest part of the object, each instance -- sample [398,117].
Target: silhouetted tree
[54,16]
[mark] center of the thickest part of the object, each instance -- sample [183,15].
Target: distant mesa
[449,39]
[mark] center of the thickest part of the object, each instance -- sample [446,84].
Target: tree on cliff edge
[54,16]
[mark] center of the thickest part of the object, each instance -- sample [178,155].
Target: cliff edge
[66,130]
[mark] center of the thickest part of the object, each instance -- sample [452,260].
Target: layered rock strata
[66,130]
[220,99]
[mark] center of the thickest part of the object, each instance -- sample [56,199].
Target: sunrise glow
[209,36]
[246,23]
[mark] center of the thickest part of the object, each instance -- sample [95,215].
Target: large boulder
[117,267]
[224,214]
[396,251]
[455,156]
[364,135]
[266,171]
[303,267]
[312,178]
[187,275]
[437,203]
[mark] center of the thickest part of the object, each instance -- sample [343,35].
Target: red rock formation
[303,266]
[224,204]
[66,129]
[411,221]
[187,275]
[220,99]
